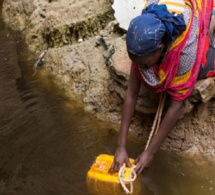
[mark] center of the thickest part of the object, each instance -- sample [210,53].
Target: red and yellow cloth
[180,86]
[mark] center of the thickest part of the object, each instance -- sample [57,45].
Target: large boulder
[57,22]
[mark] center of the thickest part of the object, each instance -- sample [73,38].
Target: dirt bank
[87,57]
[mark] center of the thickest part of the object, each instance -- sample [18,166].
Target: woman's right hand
[131,96]
[120,158]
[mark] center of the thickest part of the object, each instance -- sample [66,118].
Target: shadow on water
[47,142]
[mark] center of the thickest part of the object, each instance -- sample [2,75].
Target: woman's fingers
[136,169]
[136,160]
[112,168]
[139,168]
[128,163]
[120,165]
[116,166]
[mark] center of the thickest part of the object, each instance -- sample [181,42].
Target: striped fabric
[174,6]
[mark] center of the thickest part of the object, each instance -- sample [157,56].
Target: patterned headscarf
[145,32]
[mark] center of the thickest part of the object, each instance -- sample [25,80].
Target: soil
[87,58]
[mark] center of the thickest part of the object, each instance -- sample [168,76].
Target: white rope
[129,181]
[154,131]
[157,120]
[163,98]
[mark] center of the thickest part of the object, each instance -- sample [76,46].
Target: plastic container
[101,182]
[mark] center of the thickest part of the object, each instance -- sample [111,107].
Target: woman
[168,45]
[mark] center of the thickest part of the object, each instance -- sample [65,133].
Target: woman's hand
[170,118]
[143,161]
[120,158]
[131,96]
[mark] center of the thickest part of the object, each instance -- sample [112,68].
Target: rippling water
[47,142]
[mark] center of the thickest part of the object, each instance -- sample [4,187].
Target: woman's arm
[128,106]
[127,113]
[170,118]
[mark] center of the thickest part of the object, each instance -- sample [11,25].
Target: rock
[107,54]
[97,71]
[111,26]
[104,33]
[99,41]
[186,108]
[121,64]
[57,24]
[204,90]
[80,40]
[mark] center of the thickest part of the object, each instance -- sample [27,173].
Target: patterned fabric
[187,57]
[152,1]
[188,54]
[145,32]
[177,80]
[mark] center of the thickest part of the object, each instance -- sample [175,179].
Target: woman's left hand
[143,161]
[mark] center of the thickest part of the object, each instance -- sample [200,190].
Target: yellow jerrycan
[101,182]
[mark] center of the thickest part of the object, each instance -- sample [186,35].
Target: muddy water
[47,142]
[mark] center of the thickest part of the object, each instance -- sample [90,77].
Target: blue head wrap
[145,32]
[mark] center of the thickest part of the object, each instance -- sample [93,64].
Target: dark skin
[145,158]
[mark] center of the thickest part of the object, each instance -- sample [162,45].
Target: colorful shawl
[180,87]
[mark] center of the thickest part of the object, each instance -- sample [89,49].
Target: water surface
[48,142]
